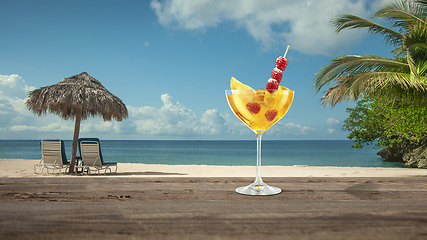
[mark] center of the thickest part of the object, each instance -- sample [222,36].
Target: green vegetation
[398,125]
[391,93]
[387,123]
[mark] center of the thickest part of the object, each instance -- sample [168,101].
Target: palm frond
[401,14]
[417,64]
[348,21]
[370,84]
[349,65]
[353,77]
[415,42]
[348,89]
[422,4]
[399,51]
[404,81]
[411,63]
[416,35]
[421,68]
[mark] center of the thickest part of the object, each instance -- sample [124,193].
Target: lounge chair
[91,156]
[53,156]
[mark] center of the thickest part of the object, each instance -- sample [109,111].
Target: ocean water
[229,153]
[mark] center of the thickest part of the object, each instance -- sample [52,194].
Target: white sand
[25,168]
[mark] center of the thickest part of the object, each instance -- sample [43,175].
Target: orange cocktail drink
[258,108]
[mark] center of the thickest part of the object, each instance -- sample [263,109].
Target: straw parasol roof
[77,97]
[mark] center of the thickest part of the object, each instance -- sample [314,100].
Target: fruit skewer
[276,74]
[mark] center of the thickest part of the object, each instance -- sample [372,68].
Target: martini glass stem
[258,157]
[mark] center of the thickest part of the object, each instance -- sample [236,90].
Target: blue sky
[170,62]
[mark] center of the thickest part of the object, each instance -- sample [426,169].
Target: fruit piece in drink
[253,107]
[272,107]
[236,85]
[271,114]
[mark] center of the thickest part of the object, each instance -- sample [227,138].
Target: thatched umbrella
[79,97]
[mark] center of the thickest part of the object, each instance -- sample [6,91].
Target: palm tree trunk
[75,138]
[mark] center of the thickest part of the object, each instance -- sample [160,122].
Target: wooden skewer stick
[286,51]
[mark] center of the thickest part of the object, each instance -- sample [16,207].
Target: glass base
[258,188]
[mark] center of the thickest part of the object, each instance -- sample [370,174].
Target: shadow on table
[365,191]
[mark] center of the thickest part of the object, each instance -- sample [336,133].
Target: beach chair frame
[91,157]
[53,156]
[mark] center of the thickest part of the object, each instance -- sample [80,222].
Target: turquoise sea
[230,153]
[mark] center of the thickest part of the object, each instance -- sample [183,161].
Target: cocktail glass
[259,110]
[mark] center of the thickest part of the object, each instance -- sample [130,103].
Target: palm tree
[358,76]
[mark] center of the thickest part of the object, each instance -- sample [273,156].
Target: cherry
[272,85]
[277,74]
[281,63]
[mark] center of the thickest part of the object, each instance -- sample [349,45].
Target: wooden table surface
[209,208]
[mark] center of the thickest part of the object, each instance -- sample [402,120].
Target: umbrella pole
[75,138]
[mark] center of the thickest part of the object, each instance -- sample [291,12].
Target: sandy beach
[199,202]
[25,168]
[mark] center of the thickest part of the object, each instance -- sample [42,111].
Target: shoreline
[25,168]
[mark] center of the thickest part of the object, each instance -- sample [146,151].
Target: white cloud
[52,127]
[333,125]
[290,129]
[172,120]
[332,121]
[13,87]
[304,24]
[175,119]
[13,92]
